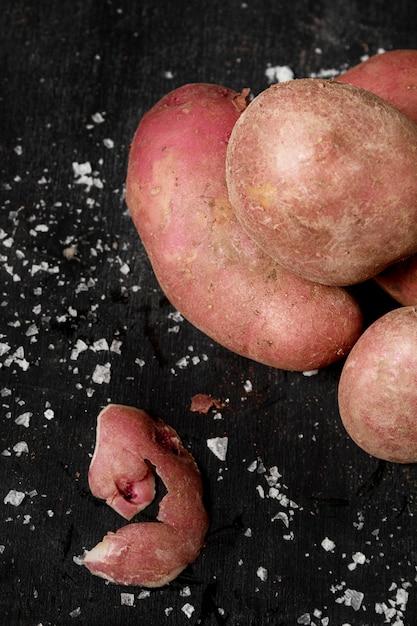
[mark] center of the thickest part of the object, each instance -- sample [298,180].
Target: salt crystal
[21,447]
[14,497]
[23,419]
[185,592]
[328,545]
[49,414]
[97,118]
[247,386]
[115,346]
[4,348]
[101,344]
[310,372]
[188,609]
[81,169]
[279,73]
[218,445]
[262,573]
[76,612]
[108,143]
[102,374]
[127,599]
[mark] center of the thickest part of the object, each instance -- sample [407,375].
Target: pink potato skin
[129,444]
[400,281]
[207,266]
[392,75]
[377,392]
[323,175]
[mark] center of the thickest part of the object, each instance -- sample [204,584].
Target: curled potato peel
[130,447]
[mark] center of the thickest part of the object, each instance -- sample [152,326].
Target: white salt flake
[4,348]
[79,347]
[352,598]
[278,73]
[262,573]
[188,609]
[218,445]
[115,346]
[24,419]
[97,118]
[21,447]
[108,143]
[76,612]
[328,545]
[310,373]
[14,497]
[81,169]
[283,517]
[101,344]
[49,414]
[247,386]
[102,374]
[127,599]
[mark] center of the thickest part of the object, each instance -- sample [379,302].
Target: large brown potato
[378,388]
[207,266]
[323,176]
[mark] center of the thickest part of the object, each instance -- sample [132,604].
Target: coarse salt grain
[21,447]
[188,609]
[218,445]
[14,497]
[102,374]
[127,599]
[262,573]
[279,73]
[24,419]
[328,545]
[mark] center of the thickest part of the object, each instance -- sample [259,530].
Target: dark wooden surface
[72,270]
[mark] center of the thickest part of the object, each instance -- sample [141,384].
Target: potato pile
[258,217]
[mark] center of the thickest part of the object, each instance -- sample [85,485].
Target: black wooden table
[305,527]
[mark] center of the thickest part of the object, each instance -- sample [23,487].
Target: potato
[391,75]
[400,281]
[323,176]
[207,266]
[377,392]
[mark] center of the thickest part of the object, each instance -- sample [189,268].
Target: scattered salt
[21,447]
[102,374]
[188,609]
[127,599]
[14,497]
[328,545]
[278,73]
[76,612]
[262,573]
[24,419]
[218,445]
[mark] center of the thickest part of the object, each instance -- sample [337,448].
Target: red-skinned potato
[392,76]
[207,266]
[377,392]
[400,281]
[323,176]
